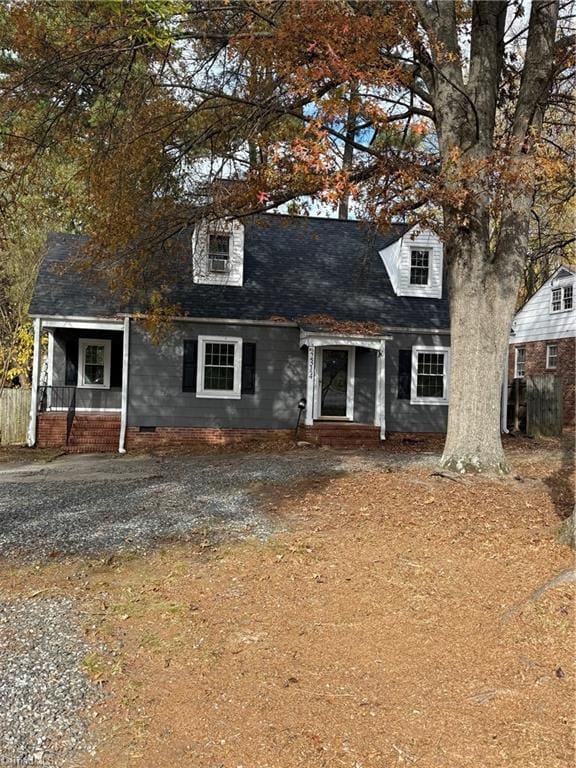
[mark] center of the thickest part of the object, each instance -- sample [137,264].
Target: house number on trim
[311,362]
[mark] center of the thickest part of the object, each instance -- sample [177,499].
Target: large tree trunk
[482,300]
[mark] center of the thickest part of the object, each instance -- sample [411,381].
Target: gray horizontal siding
[155,383]
[85,397]
[401,416]
[156,397]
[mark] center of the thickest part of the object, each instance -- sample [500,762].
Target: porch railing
[60,399]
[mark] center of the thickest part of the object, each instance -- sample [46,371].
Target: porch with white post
[79,401]
[315,343]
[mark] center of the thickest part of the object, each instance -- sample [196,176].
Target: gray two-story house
[277,315]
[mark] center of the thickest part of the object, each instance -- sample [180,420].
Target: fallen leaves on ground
[376,633]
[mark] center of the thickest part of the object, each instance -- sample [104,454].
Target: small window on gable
[551,356]
[419,267]
[562,298]
[219,253]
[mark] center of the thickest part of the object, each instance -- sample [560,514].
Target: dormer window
[562,298]
[219,253]
[419,267]
[414,264]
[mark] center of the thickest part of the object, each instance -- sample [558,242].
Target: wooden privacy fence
[543,405]
[14,415]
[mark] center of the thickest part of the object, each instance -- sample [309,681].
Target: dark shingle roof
[294,268]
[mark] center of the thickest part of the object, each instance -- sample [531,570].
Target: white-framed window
[562,298]
[552,356]
[219,371]
[419,267]
[520,363]
[430,375]
[94,363]
[219,252]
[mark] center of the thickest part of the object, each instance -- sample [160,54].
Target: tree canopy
[454,115]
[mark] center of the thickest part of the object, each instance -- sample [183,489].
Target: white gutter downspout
[504,395]
[125,361]
[381,368]
[31,437]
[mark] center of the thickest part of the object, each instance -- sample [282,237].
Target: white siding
[535,321]
[396,259]
[201,272]
[391,258]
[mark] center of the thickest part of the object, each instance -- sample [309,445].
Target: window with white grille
[520,363]
[430,375]
[219,367]
[419,267]
[562,298]
[94,363]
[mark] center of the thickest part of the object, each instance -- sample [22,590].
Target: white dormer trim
[397,260]
[201,264]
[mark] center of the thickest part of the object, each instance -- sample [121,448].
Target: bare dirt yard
[389,619]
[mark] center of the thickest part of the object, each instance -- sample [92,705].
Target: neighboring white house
[543,335]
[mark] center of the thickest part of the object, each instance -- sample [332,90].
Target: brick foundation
[100,433]
[203,437]
[565,370]
[90,433]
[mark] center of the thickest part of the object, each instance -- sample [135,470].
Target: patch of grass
[97,667]
[151,642]
[23,454]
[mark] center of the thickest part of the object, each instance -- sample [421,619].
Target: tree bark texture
[487,239]
[482,306]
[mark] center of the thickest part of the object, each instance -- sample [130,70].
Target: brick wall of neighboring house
[565,370]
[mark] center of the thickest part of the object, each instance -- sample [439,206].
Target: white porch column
[504,400]
[31,438]
[380,406]
[124,402]
[50,368]
[310,376]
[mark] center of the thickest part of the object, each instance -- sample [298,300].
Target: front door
[335,385]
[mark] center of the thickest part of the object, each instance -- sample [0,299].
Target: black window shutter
[190,365]
[404,373]
[248,368]
[71,379]
[116,360]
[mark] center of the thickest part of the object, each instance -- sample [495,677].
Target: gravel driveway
[98,504]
